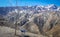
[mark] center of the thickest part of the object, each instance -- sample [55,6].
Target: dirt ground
[9,32]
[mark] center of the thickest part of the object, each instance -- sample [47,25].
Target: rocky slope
[39,20]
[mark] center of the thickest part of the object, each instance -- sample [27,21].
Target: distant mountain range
[52,7]
[45,17]
[26,12]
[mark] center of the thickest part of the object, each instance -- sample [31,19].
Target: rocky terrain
[34,21]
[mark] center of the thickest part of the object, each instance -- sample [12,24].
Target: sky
[4,3]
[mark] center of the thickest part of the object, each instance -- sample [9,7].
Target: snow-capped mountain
[45,17]
[27,11]
[51,7]
[5,10]
[58,9]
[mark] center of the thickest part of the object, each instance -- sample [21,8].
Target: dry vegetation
[40,25]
